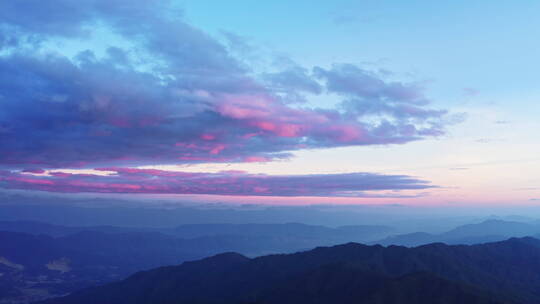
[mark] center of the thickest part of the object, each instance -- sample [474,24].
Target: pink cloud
[236,183]
[217,149]
[208,137]
[198,104]
[31,181]
[256,159]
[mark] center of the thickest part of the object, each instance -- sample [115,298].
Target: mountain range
[40,260]
[499,272]
[490,230]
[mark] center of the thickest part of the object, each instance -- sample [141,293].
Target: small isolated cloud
[470,92]
[488,140]
[350,16]
[528,189]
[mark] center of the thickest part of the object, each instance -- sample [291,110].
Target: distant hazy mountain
[358,233]
[37,228]
[131,214]
[494,227]
[487,231]
[501,272]
[107,212]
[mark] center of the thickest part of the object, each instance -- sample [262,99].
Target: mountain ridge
[468,270]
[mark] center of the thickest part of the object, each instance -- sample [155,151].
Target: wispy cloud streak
[132,180]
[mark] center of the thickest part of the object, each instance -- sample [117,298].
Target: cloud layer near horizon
[133,180]
[164,92]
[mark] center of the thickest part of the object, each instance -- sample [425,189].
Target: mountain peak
[227,259]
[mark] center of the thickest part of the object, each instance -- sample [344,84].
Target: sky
[311,102]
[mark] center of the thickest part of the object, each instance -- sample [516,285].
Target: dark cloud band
[132,180]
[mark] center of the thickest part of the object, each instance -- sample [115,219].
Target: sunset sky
[280,102]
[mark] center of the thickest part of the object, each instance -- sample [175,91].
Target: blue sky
[455,45]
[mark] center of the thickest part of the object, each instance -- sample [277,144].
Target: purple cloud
[192,102]
[293,79]
[350,80]
[470,92]
[132,180]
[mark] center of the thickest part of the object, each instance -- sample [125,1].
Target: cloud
[350,80]
[470,92]
[165,92]
[528,189]
[367,95]
[293,79]
[488,140]
[133,180]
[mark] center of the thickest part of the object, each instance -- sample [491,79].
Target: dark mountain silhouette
[79,257]
[410,239]
[501,272]
[487,231]
[345,284]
